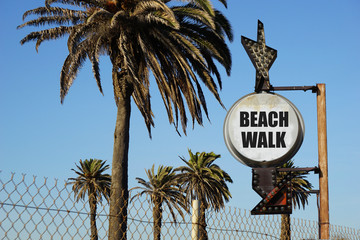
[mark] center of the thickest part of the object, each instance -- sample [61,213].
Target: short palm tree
[178,43]
[300,187]
[205,181]
[163,189]
[94,183]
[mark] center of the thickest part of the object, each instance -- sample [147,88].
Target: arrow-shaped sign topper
[277,197]
[261,56]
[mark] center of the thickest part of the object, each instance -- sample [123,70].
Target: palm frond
[204,4]
[79,3]
[79,33]
[55,11]
[99,15]
[60,20]
[156,12]
[47,34]
[189,13]
[94,58]
[70,69]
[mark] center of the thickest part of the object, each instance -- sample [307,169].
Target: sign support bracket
[314,89]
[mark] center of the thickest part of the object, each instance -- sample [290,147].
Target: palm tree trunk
[202,222]
[119,179]
[157,212]
[285,227]
[92,203]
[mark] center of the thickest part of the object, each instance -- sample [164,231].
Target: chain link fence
[33,208]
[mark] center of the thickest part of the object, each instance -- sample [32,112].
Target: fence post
[195,219]
[323,163]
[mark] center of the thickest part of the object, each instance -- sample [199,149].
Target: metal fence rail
[32,208]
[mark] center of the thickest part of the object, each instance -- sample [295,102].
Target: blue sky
[317,42]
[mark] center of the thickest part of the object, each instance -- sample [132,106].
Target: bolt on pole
[323,163]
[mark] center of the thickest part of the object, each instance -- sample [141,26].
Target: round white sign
[263,129]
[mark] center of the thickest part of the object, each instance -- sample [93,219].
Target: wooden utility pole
[323,163]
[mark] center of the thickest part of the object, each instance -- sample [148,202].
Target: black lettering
[271,140]
[253,119]
[262,120]
[280,141]
[272,122]
[262,142]
[244,119]
[283,119]
[249,138]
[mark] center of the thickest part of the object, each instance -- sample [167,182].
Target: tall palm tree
[163,189]
[93,182]
[300,187]
[204,181]
[179,43]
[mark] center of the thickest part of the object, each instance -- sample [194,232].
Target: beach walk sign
[263,130]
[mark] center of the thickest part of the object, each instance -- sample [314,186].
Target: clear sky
[317,42]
